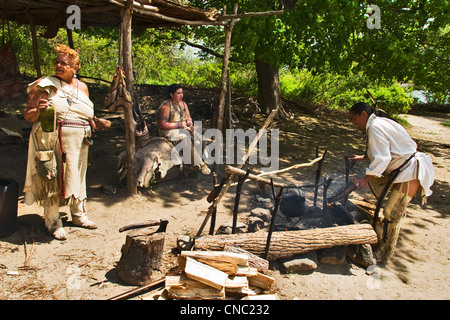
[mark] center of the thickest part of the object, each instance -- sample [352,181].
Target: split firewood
[261,281]
[183,287]
[289,243]
[247,271]
[262,265]
[364,204]
[236,285]
[263,297]
[205,274]
[365,208]
[231,257]
[227,267]
[228,262]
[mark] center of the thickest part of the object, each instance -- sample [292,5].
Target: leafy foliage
[338,56]
[332,36]
[341,92]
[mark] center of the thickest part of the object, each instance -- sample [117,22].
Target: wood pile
[217,275]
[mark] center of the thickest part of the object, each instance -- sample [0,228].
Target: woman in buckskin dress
[70,140]
[174,115]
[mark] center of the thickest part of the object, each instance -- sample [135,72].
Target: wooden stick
[237,199]
[318,172]
[256,177]
[325,191]
[272,222]
[231,178]
[139,290]
[213,216]
[238,172]
[296,166]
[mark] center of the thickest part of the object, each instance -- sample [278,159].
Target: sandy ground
[33,266]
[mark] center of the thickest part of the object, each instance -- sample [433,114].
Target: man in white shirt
[390,151]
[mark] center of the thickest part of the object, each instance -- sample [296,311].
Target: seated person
[174,115]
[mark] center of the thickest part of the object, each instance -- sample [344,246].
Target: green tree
[334,36]
[412,45]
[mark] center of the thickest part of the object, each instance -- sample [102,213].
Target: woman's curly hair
[61,48]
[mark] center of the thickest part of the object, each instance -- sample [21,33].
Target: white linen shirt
[389,146]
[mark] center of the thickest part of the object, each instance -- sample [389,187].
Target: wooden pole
[237,199]
[35,45]
[318,172]
[272,222]
[130,124]
[218,116]
[213,216]
[228,102]
[70,38]
[326,185]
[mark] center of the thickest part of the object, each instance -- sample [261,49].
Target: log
[141,255]
[290,243]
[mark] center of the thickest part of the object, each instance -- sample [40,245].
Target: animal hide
[118,97]
[152,161]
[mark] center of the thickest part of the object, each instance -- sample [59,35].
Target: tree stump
[141,256]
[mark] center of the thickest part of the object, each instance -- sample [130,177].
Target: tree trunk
[290,243]
[269,96]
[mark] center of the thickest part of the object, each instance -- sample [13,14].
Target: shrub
[341,92]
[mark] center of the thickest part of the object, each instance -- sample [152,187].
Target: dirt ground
[34,266]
